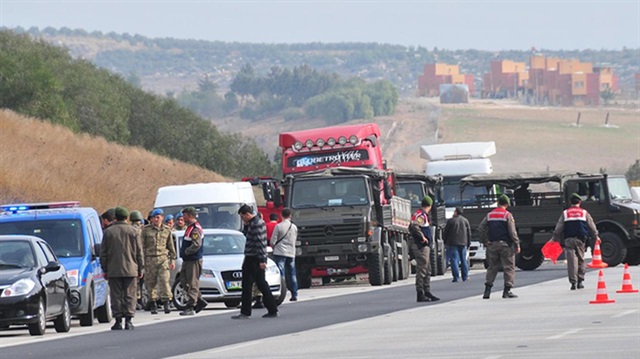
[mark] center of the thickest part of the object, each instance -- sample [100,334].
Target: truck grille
[331,233]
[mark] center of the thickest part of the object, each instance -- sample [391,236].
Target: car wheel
[103,313]
[62,323]
[86,320]
[40,326]
[283,291]
[232,303]
[179,295]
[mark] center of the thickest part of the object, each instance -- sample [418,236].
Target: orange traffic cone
[627,286]
[601,294]
[597,262]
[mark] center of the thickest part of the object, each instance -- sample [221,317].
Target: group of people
[132,250]
[498,234]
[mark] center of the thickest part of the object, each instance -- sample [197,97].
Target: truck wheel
[403,263]
[613,249]
[442,261]
[388,265]
[375,264]
[86,320]
[633,256]
[530,260]
[103,313]
[433,261]
[303,274]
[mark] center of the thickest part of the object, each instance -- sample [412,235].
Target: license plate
[234,285]
[331,258]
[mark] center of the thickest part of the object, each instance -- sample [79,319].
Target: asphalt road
[380,322]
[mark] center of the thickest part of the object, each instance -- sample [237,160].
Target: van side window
[92,239]
[96,229]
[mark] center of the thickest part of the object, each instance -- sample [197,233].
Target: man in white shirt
[283,241]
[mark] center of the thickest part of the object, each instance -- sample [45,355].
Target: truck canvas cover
[512,180]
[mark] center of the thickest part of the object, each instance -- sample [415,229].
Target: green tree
[633,173]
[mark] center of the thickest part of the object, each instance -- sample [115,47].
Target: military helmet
[135,215]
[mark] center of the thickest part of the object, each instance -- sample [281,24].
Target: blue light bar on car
[14,208]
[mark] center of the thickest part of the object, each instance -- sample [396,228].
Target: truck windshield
[455,196]
[411,191]
[215,215]
[619,189]
[329,192]
[64,236]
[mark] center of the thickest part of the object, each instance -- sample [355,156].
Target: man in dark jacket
[122,261]
[255,264]
[457,236]
[420,229]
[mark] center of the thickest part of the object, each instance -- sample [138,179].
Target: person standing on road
[168,221]
[135,217]
[457,237]
[122,261]
[283,239]
[420,229]
[575,226]
[498,234]
[254,264]
[273,222]
[159,259]
[107,218]
[191,254]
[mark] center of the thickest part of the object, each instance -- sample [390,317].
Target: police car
[74,233]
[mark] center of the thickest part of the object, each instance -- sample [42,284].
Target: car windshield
[619,188]
[411,191]
[329,192]
[63,235]
[222,243]
[218,215]
[16,254]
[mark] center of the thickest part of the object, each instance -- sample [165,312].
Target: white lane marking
[624,313]
[564,334]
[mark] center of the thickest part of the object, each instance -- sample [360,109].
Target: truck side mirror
[277,198]
[387,190]
[266,192]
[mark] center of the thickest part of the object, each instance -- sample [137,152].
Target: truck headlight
[362,248]
[73,277]
[21,287]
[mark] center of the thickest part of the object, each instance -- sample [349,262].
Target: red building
[438,74]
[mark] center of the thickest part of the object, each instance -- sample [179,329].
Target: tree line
[43,81]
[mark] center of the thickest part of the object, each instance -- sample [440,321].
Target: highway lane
[201,333]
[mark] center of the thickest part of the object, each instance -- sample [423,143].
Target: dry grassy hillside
[527,138]
[40,162]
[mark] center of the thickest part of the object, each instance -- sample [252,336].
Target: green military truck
[537,210]
[414,186]
[349,222]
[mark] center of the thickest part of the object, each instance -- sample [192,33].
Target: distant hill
[42,162]
[166,65]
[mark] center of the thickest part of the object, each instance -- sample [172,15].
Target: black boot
[117,325]
[421,297]
[487,291]
[507,293]
[187,311]
[167,307]
[258,304]
[200,305]
[127,324]
[431,297]
[580,285]
[573,286]
[153,307]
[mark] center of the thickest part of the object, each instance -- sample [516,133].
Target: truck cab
[74,233]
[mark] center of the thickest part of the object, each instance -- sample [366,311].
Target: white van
[217,202]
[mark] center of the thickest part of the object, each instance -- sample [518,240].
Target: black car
[34,287]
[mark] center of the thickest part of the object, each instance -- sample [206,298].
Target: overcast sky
[484,25]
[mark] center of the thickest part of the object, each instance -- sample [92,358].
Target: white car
[221,278]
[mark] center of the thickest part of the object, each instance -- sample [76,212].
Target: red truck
[308,157]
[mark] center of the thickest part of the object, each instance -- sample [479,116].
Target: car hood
[225,262]
[12,275]
[71,263]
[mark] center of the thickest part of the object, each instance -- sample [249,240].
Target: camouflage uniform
[137,225]
[159,252]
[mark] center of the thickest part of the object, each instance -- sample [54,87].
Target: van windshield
[217,215]
[63,235]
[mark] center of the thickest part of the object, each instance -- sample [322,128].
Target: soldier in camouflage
[160,256]
[137,223]
[179,224]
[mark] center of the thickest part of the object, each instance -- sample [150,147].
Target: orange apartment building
[568,82]
[505,79]
[438,74]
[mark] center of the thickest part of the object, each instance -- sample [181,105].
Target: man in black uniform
[254,264]
[498,234]
[572,231]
